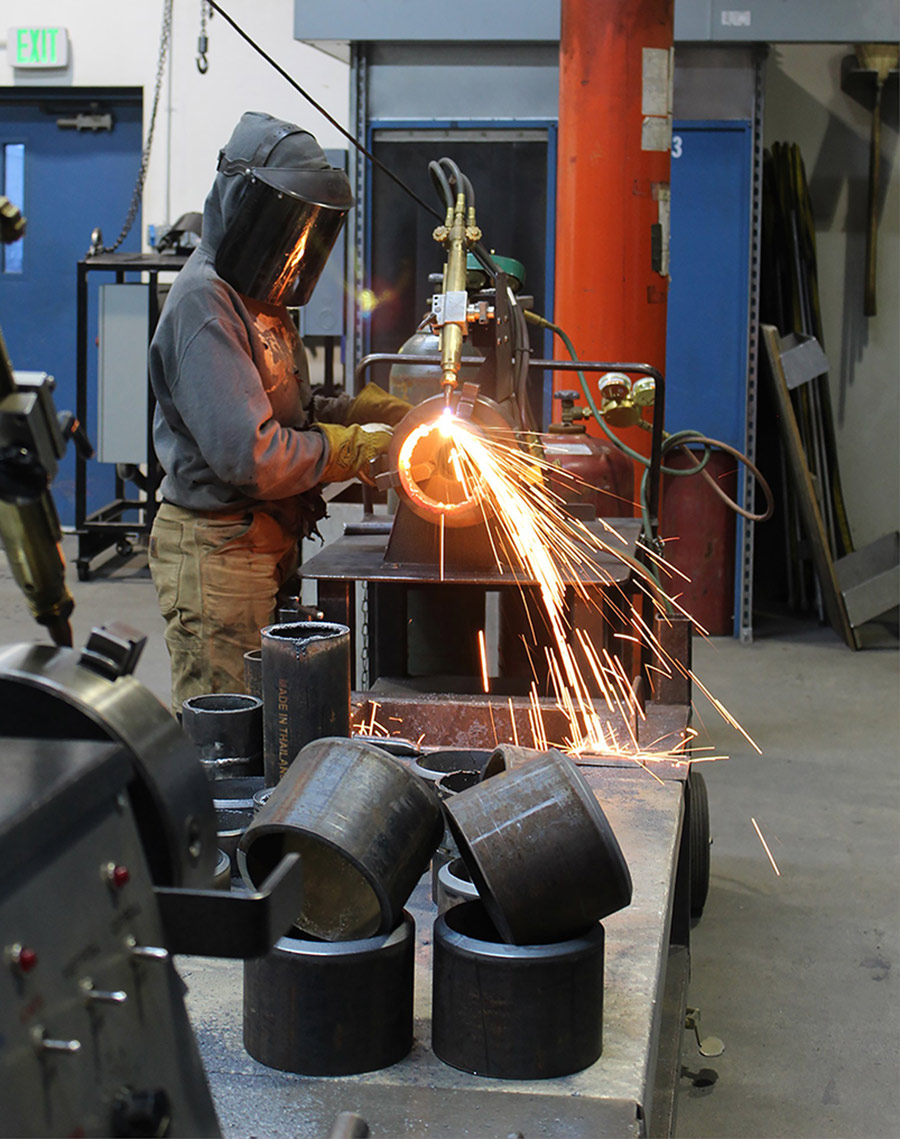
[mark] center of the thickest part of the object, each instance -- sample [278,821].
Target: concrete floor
[798,974]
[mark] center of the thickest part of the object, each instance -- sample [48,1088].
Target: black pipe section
[306,689]
[514,1012]
[337,1008]
[540,850]
[253,672]
[365,828]
[226,730]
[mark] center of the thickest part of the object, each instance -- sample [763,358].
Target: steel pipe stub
[506,757]
[222,876]
[365,828]
[514,1012]
[455,781]
[253,672]
[433,765]
[540,850]
[226,729]
[332,1008]
[261,798]
[454,885]
[448,771]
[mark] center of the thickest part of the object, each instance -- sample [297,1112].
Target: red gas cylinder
[594,474]
[698,528]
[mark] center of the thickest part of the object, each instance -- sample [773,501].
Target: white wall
[115,43]
[805,105]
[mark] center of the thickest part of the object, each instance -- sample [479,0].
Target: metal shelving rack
[107,526]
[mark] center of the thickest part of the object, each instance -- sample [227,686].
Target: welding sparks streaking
[765,846]
[555,550]
[512,717]
[482,652]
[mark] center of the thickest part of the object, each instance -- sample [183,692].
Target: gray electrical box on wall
[122,403]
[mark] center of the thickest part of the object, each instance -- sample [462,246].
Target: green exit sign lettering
[37,47]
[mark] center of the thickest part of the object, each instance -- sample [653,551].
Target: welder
[244,445]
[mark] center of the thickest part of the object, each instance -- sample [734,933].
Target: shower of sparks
[493,726]
[533,534]
[368,725]
[512,718]
[765,847]
[482,653]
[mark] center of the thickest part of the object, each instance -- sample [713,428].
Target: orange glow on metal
[416,464]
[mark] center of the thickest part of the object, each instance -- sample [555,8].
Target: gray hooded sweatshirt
[234,415]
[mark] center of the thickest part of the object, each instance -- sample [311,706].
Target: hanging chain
[165,36]
[203,39]
[364,679]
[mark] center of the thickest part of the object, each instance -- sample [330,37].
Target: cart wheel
[124,548]
[699,841]
[83,569]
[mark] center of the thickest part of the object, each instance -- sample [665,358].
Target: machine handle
[113,650]
[215,923]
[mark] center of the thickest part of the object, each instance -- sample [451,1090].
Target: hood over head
[274,211]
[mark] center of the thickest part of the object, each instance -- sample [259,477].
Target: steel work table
[628,1091]
[361,557]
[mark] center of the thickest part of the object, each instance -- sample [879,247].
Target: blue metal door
[66,181]
[706,341]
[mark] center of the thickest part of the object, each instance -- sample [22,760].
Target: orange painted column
[613,185]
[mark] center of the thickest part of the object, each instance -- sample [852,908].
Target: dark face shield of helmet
[277,243]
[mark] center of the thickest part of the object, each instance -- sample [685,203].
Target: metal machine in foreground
[107,848]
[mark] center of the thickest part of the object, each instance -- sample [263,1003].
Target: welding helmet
[288,215]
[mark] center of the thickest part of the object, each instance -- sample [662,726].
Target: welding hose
[450,181]
[596,414]
[636,456]
[439,178]
[677,439]
[682,438]
[459,183]
[445,190]
[522,357]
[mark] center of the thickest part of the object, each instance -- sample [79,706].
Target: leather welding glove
[351,448]
[375,405]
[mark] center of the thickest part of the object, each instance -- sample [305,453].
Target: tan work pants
[217,577]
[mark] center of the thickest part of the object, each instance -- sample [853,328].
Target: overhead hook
[203,39]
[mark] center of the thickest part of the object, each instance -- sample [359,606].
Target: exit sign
[37,47]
